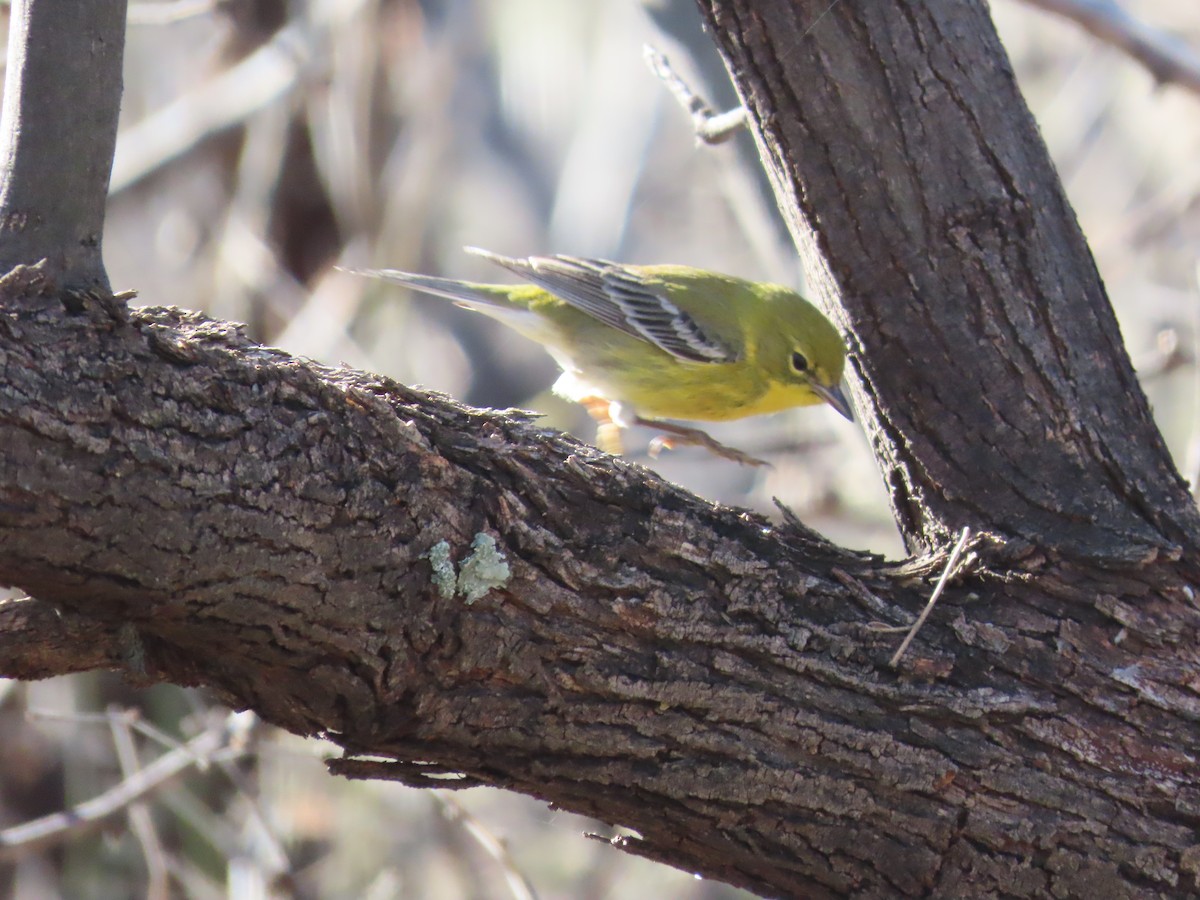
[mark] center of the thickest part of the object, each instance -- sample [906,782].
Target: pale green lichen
[444,578]
[483,570]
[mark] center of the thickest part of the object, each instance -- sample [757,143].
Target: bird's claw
[694,437]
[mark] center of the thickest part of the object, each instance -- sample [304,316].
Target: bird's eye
[799,362]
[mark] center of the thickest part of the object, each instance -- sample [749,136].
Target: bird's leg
[608,432]
[682,436]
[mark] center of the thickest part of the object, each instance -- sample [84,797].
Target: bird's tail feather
[463,292]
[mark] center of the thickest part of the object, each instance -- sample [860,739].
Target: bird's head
[802,352]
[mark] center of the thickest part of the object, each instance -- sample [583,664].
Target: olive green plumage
[662,341]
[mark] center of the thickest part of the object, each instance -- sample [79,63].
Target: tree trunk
[474,598]
[58,133]
[987,360]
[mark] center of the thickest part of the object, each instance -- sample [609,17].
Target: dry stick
[269,851]
[228,99]
[952,565]
[131,718]
[265,77]
[518,884]
[1166,57]
[28,837]
[170,12]
[711,127]
[140,820]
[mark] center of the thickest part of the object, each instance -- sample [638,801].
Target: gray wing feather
[619,297]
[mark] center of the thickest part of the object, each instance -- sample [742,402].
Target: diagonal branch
[214,743]
[1167,58]
[459,591]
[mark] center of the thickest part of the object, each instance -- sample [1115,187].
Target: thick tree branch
[461,592]
[58,130]
[986,354]
[308,542]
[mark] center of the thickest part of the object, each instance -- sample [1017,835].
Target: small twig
[27,837]
[1166,57]
[269,851]
[710,127]
[1168,355]
[169,13]
[518,885]
[228,99]
[951,569]
[158,886]
[130,718]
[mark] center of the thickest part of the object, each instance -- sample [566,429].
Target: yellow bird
[640,344]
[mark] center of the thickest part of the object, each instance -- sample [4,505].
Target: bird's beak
[835,397]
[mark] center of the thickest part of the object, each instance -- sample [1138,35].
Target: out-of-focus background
[264,142]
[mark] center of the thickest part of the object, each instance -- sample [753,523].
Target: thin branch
[952,566]
[518,884]
[172,12]
[140,820]
[1168,58]
[213,743]
[228,99]
[711,127]
[265,77]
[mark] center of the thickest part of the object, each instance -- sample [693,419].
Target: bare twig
[711,127]
[159,885]
[169,13]
[951,569]
[228,99]
[518,885]
[211,744]
[1167,58]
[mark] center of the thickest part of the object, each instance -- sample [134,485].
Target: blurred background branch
[1167,57]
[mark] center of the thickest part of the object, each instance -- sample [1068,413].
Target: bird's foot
[682,436]
[608,432]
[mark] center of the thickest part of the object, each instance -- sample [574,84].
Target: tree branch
[442,590]
[234,517]
[1167,58]
[216,743]
[977,335]
[59,129]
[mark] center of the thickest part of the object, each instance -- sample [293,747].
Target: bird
[650,344]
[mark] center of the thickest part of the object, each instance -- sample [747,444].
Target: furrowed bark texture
[461,592]
[202,510]
[987,360]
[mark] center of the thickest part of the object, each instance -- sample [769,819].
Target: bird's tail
[463,292]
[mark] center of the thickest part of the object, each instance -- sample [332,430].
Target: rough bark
[59,130]
[313,543]
[237,518]
[987,360]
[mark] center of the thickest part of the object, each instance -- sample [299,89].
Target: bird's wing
[622,298]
